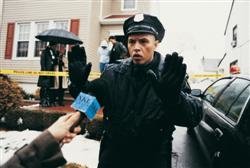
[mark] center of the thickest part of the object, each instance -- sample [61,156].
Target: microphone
[87,105]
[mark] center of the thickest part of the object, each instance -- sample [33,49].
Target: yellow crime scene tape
[92,75]
[207,75]
[42,73]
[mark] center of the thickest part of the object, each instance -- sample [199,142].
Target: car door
[222,118]
[232,104]
[242,117]
[205,132]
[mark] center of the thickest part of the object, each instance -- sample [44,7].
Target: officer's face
[141,48]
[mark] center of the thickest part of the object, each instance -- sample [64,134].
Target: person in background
[47,62]
[103,52]
[45,151]
[61,82]
[118,50]
[143,98]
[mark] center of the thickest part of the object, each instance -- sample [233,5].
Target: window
[237,106]
[213,91]
[234,41]
[23,40]
[61,25]
[128,4]
[26,46]
[40,45]
[230,95]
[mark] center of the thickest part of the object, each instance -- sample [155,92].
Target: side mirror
[196,92]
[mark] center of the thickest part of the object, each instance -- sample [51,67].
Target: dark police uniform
[138,125]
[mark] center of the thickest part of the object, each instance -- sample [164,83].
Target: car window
[230,94]
[214,90]
[237,106]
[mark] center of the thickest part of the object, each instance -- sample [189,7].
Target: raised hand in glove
[169,84]
[78,75]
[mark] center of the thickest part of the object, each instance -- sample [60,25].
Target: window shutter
[74,26]
[9,40]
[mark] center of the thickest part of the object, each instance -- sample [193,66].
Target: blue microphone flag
[87,104]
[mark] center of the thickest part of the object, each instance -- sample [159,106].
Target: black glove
[169,85]
[79,73]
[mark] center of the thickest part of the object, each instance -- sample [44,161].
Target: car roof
[247,77]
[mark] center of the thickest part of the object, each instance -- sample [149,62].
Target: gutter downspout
[225,32]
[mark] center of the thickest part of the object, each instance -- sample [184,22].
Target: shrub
[10,95]
[33,120]
[95,128]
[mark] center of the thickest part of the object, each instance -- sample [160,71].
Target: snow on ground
[81,150]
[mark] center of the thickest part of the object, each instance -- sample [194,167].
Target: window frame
[33,32]
[224,115]
[229,81]
[243,107]
[16,40]
[223,93]
[129,9]
[36,32]
[234,36]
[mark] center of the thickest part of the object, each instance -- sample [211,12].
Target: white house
[237,38]
[92,21]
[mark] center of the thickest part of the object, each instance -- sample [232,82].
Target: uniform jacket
[138,126]
[47,63]
[43,152]
[117,52]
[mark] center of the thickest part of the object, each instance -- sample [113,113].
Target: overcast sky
[195,28]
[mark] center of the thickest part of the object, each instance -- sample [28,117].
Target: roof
[114,19]
[117,16]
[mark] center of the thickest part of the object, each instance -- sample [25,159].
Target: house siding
[106,29]
[93,36]
[106,7]
[240,16]
[113,7]
[142,6]
[1,14]
[91,31]
[34,10]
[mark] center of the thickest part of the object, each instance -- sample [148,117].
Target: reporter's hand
[61,128]
[168,86]
[79,73]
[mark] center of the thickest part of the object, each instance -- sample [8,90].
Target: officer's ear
[156,43]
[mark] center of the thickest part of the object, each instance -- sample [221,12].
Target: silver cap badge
[138,17]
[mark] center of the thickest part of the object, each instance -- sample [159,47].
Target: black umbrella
[59,36]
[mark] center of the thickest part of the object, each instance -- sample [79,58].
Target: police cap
[144,23]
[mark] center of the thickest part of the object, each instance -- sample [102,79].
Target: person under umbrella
[47,62]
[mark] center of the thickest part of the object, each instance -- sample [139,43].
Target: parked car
[224,132]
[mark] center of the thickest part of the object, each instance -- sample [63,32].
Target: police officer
[143,98]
